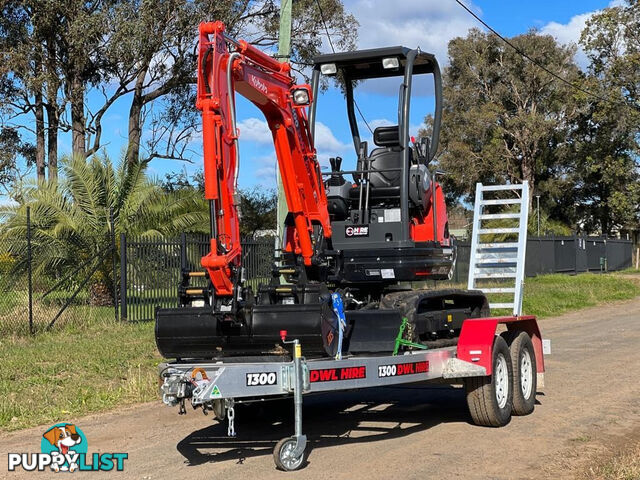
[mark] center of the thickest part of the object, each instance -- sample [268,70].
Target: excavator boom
[227,66]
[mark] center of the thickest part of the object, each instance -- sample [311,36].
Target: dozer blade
[190,332]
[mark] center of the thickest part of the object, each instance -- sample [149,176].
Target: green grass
[551,295]
[629,271]
[97,364]
[75,370]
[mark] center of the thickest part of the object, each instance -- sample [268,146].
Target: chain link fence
[147,272]
[37,293]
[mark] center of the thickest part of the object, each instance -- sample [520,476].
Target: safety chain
[231,415]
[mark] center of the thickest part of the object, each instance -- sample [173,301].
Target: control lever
[362,156]
[421,148]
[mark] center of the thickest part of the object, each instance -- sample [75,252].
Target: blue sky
[429,24]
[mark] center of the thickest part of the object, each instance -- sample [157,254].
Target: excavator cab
[388,216]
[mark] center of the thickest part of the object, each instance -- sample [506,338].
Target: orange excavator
[354,242]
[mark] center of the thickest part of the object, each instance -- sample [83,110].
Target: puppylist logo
[64,449]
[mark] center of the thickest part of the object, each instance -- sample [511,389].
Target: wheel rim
[286,456]
[501,376]
[526,374]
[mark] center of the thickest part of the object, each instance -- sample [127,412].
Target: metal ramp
[499,242]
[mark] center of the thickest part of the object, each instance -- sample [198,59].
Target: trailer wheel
[490,398]
[283,455]
[523,361]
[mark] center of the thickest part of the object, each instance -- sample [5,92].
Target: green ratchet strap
[405,343]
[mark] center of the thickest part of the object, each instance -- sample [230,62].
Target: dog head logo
[63,437]
[64,442]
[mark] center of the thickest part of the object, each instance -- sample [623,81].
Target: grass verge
[551,295]
[621,466]
[99,365]
[74,371]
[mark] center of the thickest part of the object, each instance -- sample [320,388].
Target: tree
[505,119]
[56,52]
[257,204]
[71,220]
[162,66]
[607,180]
[22,78]
[258,210]
[11,147]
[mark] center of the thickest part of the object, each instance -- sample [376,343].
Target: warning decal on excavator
[337,374]
[397,369]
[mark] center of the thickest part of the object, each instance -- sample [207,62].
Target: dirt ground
[590,408]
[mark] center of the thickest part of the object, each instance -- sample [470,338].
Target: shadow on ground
[329,419]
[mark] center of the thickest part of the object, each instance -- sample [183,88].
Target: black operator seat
[384,184]
[387,155]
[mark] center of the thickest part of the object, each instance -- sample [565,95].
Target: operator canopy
[383,63]
[375,62]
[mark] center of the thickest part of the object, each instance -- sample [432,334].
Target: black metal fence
[150,269]
[572,254]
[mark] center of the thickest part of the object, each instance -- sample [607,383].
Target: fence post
[29,270]
[113,264]
[123,277]
[183,253]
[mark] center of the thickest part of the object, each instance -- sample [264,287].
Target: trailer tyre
[490,398]
[523,361]
[283,455]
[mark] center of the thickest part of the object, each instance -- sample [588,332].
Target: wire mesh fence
[39,290]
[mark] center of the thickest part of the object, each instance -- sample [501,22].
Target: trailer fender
[475,344]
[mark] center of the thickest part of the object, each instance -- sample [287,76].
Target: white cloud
[326,141]
[264,167]
[265,170]
[569,33]
[411,23]
[255,130]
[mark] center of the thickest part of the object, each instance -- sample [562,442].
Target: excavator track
[435,316]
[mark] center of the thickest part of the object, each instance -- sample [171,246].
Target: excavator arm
[227,66]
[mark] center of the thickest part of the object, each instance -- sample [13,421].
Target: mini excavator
[354,242]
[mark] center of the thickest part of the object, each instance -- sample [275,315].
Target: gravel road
[591,405]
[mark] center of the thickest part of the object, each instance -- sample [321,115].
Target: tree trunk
[77,91]
[52,137]
[528,174]
[53,119]
[40,153]
[135,120]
